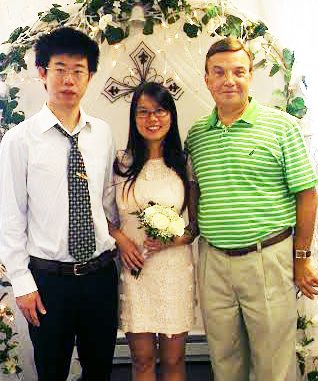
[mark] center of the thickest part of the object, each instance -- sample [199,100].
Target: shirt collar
[248,117]
[49,120]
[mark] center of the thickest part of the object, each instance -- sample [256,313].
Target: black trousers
[81,310]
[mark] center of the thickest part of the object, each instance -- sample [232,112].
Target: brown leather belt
[73,268]
[267,242]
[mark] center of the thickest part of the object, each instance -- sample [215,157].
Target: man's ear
[206,78]
[42,74]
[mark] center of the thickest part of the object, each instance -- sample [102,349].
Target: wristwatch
[302,254]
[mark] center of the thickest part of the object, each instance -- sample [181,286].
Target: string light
[114,63]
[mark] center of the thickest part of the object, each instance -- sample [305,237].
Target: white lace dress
[161,300]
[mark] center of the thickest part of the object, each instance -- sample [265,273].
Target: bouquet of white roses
[160,222]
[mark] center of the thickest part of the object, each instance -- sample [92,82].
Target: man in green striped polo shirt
[255,184]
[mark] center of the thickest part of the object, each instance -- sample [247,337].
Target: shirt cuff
[23,285]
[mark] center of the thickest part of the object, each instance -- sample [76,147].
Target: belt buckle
[77,269]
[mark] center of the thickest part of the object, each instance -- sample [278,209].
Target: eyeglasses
[76,74]
[158,113]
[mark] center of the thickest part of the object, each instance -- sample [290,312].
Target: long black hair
[137,149]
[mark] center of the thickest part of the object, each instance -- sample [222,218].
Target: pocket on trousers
[277,278]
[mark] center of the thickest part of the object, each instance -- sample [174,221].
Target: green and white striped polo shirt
[248,174]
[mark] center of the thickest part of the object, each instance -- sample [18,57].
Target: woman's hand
[155,245]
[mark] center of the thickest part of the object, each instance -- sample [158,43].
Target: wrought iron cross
[142,58]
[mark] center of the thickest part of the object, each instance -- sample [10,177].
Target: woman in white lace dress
[160,301]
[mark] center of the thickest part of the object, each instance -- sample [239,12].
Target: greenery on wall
[109,20]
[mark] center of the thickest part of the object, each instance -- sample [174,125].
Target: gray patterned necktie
[81,235]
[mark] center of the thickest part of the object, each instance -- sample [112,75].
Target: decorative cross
[142,58]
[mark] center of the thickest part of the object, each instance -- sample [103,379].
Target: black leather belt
[73,268]
[267,242]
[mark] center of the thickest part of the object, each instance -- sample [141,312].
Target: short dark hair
[173,154]
[228,44]
[66,40]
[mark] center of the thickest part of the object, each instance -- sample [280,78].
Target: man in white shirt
[54,237]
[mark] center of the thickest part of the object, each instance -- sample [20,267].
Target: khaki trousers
[249,311]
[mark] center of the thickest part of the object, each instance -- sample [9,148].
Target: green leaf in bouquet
[303,322]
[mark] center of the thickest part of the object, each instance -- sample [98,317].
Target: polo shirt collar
[49,120]
[248,117]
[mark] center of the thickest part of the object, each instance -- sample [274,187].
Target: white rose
[149,212]
[104,21]
[177,227]
[160,221]
[171,214]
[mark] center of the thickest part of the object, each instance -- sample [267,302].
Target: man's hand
[305,277]
[130,255]
[29,304]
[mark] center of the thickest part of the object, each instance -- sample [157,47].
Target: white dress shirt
[34,192]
